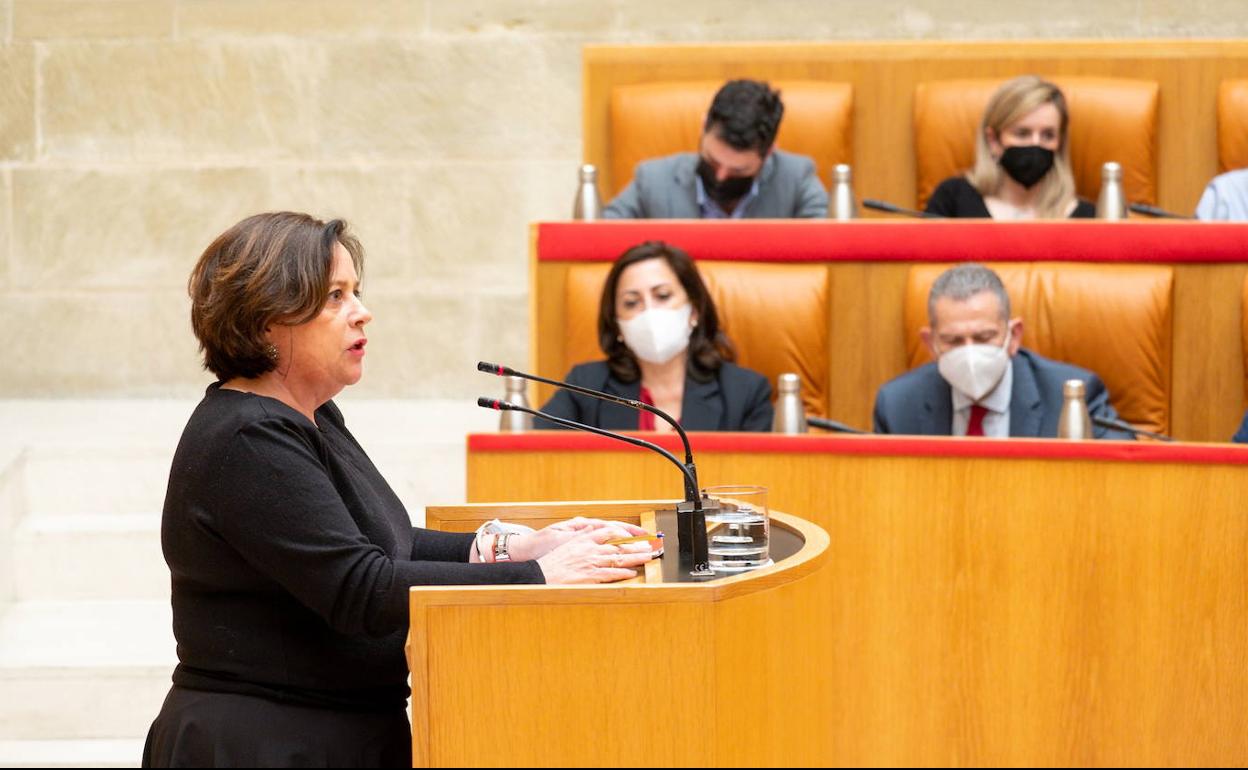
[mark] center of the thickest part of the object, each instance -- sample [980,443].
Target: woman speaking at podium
[291,557]
[658,327]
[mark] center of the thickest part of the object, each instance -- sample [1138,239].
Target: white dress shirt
[997,402]
[1226,198]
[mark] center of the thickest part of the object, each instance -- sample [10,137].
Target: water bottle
[843,206]
[1074,422]
[1111,204]
[588,205]
[790,415]
[514,422]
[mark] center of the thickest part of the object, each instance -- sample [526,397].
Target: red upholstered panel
[917,241]
[882,446]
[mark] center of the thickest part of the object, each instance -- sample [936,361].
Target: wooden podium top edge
[812,556]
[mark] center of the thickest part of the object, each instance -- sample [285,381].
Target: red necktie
[976,426]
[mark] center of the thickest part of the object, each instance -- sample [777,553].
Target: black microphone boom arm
[506,371]
[1127,427]
[505,406]
[833,425]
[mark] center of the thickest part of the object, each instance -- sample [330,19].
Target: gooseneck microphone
[833,425]
[505,406]
[690,514]
[891,208]
[1154,211]
[1106,422]
[691,493]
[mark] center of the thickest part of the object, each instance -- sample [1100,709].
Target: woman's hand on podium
[586,558]
[545,540]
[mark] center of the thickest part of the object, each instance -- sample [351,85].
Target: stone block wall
[134,131]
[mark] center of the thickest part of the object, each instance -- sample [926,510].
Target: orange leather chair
[651,120]
[1112,319]
[1110,119]
[775,315]
[1232,125]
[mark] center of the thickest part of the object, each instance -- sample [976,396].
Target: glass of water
[738,530]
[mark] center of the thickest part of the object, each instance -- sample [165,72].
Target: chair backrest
[775,315]
[1112,319]
[1232,125]
[651,120]
[1110,119]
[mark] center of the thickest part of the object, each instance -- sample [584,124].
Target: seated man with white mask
[983,382]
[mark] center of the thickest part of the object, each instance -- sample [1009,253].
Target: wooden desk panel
[1037,609]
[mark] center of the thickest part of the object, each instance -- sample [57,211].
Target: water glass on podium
[738,527]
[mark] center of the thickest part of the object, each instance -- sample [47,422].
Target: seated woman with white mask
[659,330]
[1022,160]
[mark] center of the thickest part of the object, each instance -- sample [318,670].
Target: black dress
[291,558]
[957,198]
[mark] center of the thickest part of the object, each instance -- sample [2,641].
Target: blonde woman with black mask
[1022,160]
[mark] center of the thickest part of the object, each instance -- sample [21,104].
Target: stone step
[76,670]
[124,752]
[89,556]
[74,480]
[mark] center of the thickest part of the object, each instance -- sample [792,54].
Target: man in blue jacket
[983,382]
[736,173]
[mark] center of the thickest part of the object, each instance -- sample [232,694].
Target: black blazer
[736,399]
[920,402]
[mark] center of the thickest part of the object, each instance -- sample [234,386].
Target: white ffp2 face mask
[658,335]
[974,370]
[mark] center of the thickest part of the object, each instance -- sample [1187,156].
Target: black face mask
[1027,165]
[727,191]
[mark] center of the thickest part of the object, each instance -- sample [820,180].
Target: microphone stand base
[691,535]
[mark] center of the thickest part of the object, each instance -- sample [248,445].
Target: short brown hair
[268,268]
[708,346]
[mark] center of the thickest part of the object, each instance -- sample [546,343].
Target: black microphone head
[499,369]
[492,403]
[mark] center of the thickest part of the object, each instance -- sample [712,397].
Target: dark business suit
[1241,435]
[920,402]
[735,399]
[666,188]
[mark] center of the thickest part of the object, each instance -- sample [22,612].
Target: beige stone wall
[133,131]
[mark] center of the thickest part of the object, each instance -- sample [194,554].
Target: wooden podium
[991,603]
[640,673]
